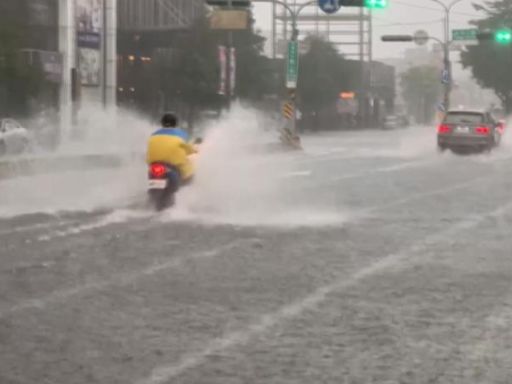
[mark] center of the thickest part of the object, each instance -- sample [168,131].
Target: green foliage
[323,74]
[421,91]
[490,62]
[18,82]
[192,76]
[254,72]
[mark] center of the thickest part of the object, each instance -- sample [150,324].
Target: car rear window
[464,118]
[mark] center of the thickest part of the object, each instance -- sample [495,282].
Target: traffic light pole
[294,15]
[446,45]
[295,37]
[230,76]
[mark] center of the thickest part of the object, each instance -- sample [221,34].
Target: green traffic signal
[376,4]
[503,36]
[371,4]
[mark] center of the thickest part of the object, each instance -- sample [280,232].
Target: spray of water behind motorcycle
[240,179]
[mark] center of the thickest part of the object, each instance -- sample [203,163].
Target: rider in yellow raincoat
[170,145]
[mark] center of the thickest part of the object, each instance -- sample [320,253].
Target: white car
[14,139]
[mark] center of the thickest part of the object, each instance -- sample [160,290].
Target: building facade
[147,30]
[35,23]
[157,15]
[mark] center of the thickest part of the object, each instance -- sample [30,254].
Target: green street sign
[464,34]
[292,65]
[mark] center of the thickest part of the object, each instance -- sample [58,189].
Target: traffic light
[225,3]
[500,36]
[376,4]
[371,4]
[503,36]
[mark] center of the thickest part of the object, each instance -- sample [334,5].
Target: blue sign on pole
[445,77]
[329,6]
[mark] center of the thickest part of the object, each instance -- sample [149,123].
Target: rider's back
[167,145]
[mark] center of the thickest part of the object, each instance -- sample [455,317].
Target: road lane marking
[357,175]
[121,279]
[165,373]
[116,217]
[297,174]
[421,196]
[68,293]
[34,227]
[389,168]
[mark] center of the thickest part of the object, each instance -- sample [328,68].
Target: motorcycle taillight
[157,170]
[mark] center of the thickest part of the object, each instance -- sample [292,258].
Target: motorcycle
[164,181]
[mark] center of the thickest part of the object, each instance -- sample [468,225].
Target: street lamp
[294,12]
[446,48]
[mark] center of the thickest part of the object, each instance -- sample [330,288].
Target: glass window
[464,118]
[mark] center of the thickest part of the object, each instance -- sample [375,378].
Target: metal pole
[295,12]
[448,64]
[274,32]
[104,46]
[362,80]
[229,64]
[447,42]
[295,36]
[370,36]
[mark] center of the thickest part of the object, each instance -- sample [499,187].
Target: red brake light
[443,128]
[482,130]
[157,170]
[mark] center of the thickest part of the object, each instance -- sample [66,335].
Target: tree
[254,72]
[192,75]
[191,78]
[491,63]
[323,74]
[421,90]
[18,81]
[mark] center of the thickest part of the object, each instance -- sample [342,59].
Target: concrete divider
[26,166]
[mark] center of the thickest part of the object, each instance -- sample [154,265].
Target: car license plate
[157,184]
[462,130]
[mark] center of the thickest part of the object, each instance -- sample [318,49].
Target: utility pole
[230,65]
[447,64]
[293,50]
[104,60]
[292,66]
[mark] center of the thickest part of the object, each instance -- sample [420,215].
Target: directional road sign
[445,77]
[292,65]
[329,6]
[464,34]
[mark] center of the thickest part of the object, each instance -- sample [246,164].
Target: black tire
[441,149]
[161,200]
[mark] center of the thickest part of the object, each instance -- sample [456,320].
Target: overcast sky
[401,17]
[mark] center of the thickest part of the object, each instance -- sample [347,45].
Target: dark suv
[469,130]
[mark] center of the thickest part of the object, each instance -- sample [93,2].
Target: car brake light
[443,128]
[482,130]
[157,170]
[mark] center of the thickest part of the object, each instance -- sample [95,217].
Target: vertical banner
[88,25]
[232,71]
[223,62]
